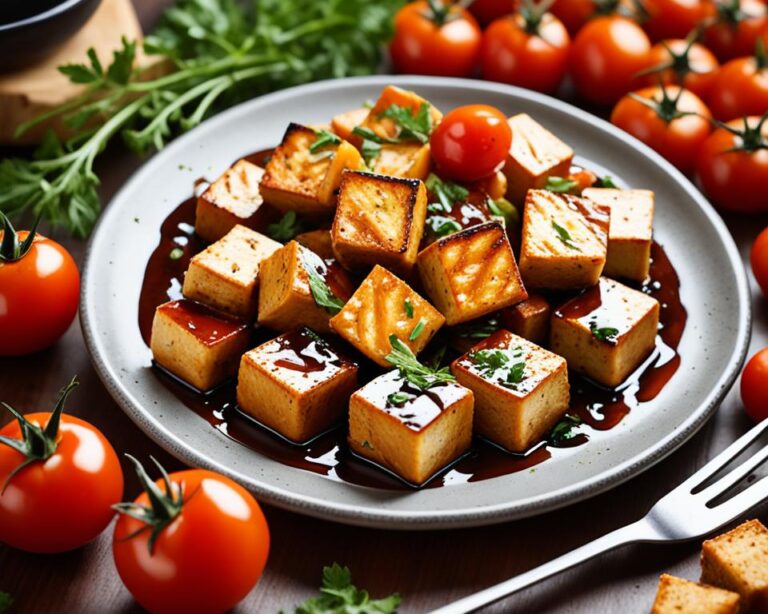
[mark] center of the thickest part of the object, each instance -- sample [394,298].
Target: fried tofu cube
[297,384]
[286,300]
[297,179]
[471,273]
[225,275]
[535,155]
[379,220]
[678,596]
[319,241]
[564,241]
[393,95]
[631,231]
[529,319]
[606,332]
[408,160]
[385,305]
[521,389]
[413,434]
[196,344]
[344,123]
[738,561]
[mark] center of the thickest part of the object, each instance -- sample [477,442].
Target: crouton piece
[385,305]
[379,220]
[319,241]
[407,160]
[196,344]
[564,241]
[631,231]
[410,432]
[225,275]
[521,389]
[535,155]
[606,332]
[471,273]
[385,127]
[344,123]
[738,561]
[297,384]
[298,179]
[678,596]
[286,300]
[529,319]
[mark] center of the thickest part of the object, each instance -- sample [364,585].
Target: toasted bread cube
[678,596]
[529,319]
[513,408]
[535,155]
[319,241]
[564,241]
[738,561]
[471,273]
[408,160]
[379,220]
[414,438]
[285,298]
[296,384]
[385,305]
[631,230]
[225,275]
[344,123]
[297,179]
[392,95]
[196,344]
[605,332]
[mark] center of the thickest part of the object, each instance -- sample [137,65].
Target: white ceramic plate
[714,290]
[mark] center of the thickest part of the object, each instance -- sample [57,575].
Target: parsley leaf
[411,369]
[321,292]
[398,398]
[324,138]
[565,236]
[413,126]
[560,185]
[564,430]
[371,145]
[442,226]
[607,334]
[606,182]
[286,228]
[6,601]
[446,192]
[408,306]
[417,330]
[493,362]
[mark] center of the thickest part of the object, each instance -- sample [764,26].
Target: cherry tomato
[573,13]
[740,88]
[62,498]
[202,550]
[531,53]
[739,24]
[486,11]
[445,42]
[471,142]
[605,57]
[759,259]
[675,58]
[39,291]
[754,386]
[675,18]
[732,169]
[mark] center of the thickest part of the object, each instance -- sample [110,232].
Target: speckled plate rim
[371,515]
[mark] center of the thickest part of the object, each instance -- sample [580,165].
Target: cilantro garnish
[286,228]
[323,138]
[408,306]
[493,363]
[321,292]
[398,398]
[606,182]
[411,369]
[442,226]
[446,192]
[413,126]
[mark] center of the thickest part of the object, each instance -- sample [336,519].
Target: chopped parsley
[442,226]
[371,146]
[286,228]
[564,430]
[493,362]
[176,253]
[505,210]
[606,182]
[321,292]
[408,306]
[412,370]
[417,330]
[398,398]
[565,236]
[323,138]
[561,185]
[607,334]
[446,192]
[413,126]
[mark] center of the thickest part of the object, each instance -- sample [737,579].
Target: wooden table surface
[427,568]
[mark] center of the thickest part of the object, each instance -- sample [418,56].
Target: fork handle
[636,532]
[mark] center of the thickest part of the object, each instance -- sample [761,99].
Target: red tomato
[739,24]
[605,57]
[62,499]
[682,58]
[675,18]
[759,259]
[529,53]
[426,43]
[573,13]
[204,555]
[486,11]
[471,142]
[736,180]
[740,88]
[754,386]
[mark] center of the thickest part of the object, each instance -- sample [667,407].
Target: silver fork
[685,513]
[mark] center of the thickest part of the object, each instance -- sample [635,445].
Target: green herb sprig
[323,138]
[607,334]
[286,228]
[565,236]
[560,185]
[491,362]
[446,192]
[321,292]
[442,226]
[418,374]
[413,126]
[564,430]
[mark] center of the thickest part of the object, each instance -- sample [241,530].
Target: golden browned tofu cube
[390,96]
[529,319]
[385,305]
[738,561]
[298,179]
[225,275]
[344,123]
[471,273]
[564,241]
[535,155]
[606,332]
[631,231]
[297,384]
[319,241]
[678,596]
[379,220]
[412,433]
[196,344]
[521,389]
[409,160]
[286,300]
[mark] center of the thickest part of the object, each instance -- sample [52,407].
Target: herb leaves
[607,334]
[506,366]
[446,192]
[565,236]
[563,431]
[421,376]
[561,185]
[323,138]
[321,292]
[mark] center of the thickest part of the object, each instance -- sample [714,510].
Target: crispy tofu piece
[605,332]
[535,155]
[393,95]
[564,241]
[379,220]
[408,160]
[297,384]
[196,344]
[285,298]
[296,179]
[631,230]
[678,596]
[514,408]
[529,319]
[225,275]
[738,561]
[344,123]
[471,273]
[385,305]
[319,241]
[415,438]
